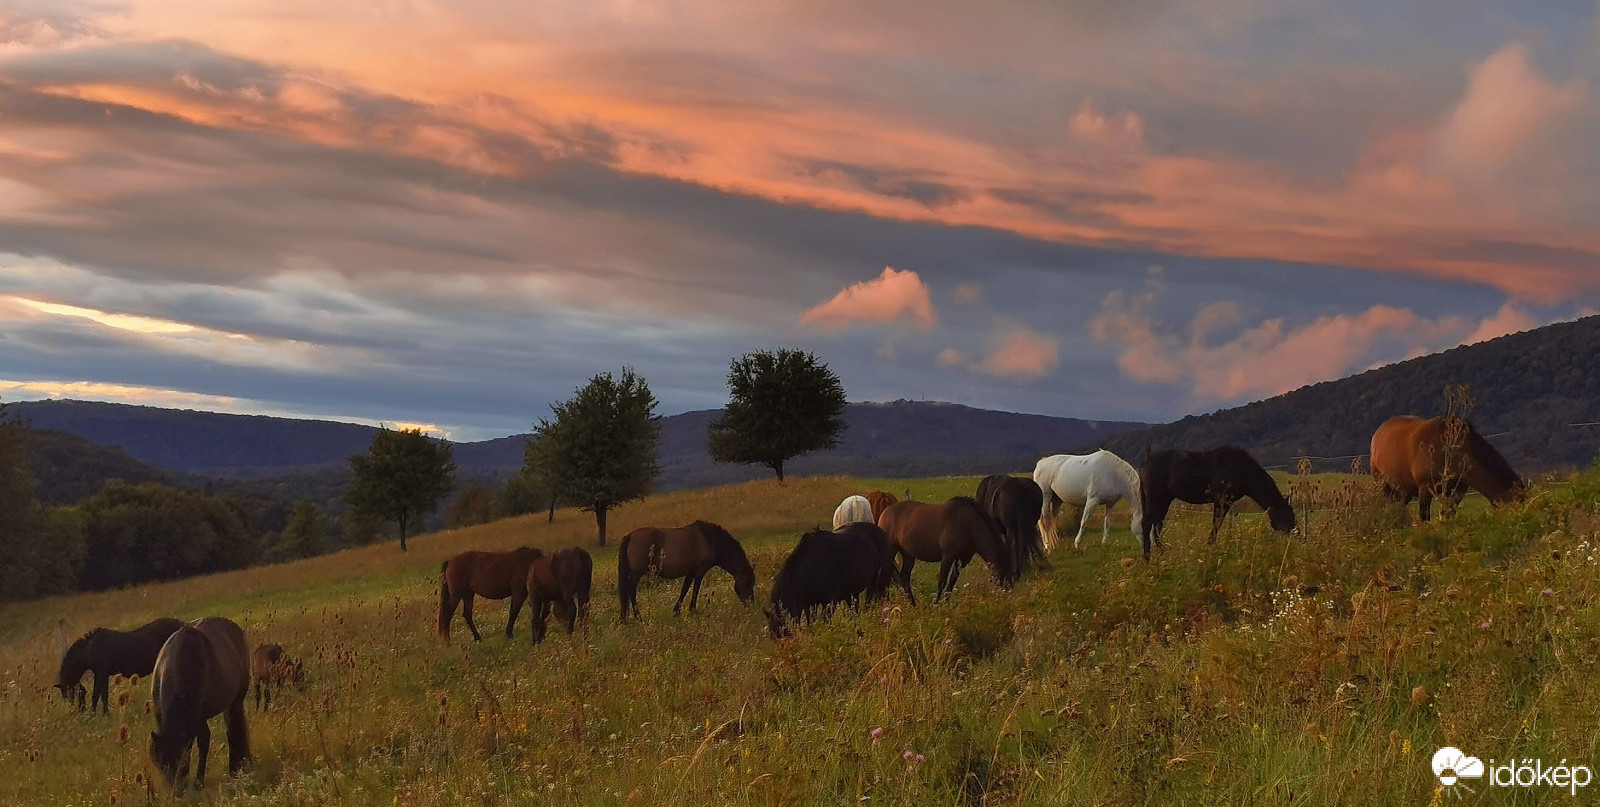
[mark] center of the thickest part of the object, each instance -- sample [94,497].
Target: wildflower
[876,733]
[1484,625]
[1547,593]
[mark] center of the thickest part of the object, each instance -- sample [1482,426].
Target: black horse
[828,568]
[1015,504]
[107,652]
[1218,477]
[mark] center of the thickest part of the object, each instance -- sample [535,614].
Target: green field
[1259,670]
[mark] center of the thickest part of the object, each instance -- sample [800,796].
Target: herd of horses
[203,668]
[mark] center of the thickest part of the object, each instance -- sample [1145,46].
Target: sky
[451,215]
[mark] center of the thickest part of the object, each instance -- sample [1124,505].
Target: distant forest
[1537,398]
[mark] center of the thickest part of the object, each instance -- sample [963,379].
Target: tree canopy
[401,478]
[780,404]
[598,450]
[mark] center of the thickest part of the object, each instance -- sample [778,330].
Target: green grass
[1260,670]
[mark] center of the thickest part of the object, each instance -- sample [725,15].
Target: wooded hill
[1529,390]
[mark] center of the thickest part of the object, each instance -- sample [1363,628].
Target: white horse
[851,510]
[1101,478]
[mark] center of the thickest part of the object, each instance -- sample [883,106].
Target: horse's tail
[585,575]
[443,628]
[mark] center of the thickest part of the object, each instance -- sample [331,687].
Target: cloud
[883,299]
[950,357]
[1020,353]
[1219,357]
[1507,105]
[968,294]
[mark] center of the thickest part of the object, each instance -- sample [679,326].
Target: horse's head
[1282,517]
[171,756]
[744,585]
[776,628]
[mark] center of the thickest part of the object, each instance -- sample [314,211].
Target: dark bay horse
[827,568]
[560,582]
[687,552]
[1413,458]
[1218,477]
[880,501]
[107,652]
[494,575]
[949,534]
[1016,503]
[203,671]
[271,667]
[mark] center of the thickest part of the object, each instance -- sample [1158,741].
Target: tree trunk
[778,467]
[552,518]
[402,531]
[600,520]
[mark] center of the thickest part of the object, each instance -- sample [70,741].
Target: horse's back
[851,510]
[206,659]
[880,501]
[1399,453]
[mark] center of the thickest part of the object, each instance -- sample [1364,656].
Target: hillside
[67,467]
[903,438]
[1529,389]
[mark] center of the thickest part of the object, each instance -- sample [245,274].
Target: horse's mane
[723,540]
[1250,466]
[1489,459]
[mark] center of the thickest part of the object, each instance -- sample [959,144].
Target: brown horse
[880,501]
[950,534]
[687,552]
[107,652]
[1419,459]
[494,575]
[203,671]
[560,581]
[271,667]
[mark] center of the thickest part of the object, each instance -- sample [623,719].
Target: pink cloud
[1272,357]
[950,357]
[1021,353]
[883,299]
[1506,106]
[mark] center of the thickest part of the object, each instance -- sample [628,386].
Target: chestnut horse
[560,582]
[1218,477]
[949,534]
[271,667]
[203,671]
[687,552]
[107,652]
[1419,459]
[880,501]
[495,575]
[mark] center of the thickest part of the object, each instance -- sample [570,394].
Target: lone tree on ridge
[781,404]
[401,478]
[600,446]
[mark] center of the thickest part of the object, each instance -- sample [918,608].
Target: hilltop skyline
[451,215]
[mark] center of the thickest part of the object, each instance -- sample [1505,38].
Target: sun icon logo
[1451,766]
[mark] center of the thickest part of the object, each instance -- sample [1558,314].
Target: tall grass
[1260,670]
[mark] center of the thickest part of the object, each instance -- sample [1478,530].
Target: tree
[401,478]
[600,445]
[780,404]
[519,496]
[137,533]
[19,513]
[306,533]
[471,506]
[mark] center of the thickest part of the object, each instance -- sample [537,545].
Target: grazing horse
[1218,477]
[687,552]
[560,581]
[1087,481]
[852,510]
[880,501]
[203,671]
[1016,504]
[494,575]
[1419,459]
[107,652]
[827,568]
[271,667]
[949,534]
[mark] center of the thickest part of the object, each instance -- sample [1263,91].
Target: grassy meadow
[1259,670]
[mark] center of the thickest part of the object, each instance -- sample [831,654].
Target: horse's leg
[1425,505]
[1089,504]
[688,580]
[1105,524]
[102,693]
[1219,511]
[541,612]
[572,615]
[906,562]
[202,738]
[944,575]
[1047,520]
[238,736]
[258,694]
[694,599]
[466,613]
[516,608]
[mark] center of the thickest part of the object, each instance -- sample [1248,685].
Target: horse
[271,666]
[495,575]
[203,670]
[852,510]
[827,568]
[948,533]
[1219,477]
[1419,459]
[687,552]
[880,501]
[1017,505]
[560,581]
[1087,481]
[107,652]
